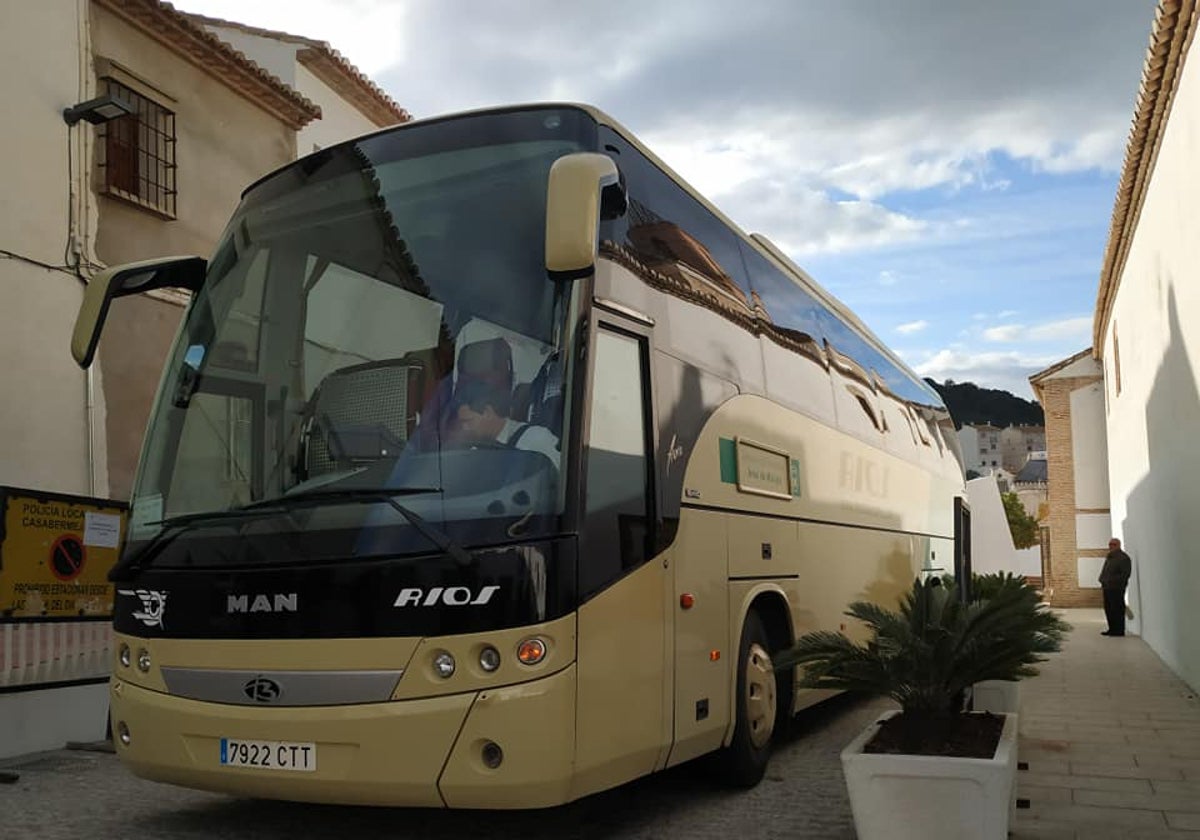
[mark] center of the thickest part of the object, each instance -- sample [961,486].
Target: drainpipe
[80,212]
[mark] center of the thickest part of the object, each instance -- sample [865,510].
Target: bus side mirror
[129,279]
[573,199]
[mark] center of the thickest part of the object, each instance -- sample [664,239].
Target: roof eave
[332,68]
[206,51]
[1171,35]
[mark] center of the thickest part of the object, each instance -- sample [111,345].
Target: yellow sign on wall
[56,552]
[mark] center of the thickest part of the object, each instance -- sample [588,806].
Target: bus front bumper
[419,753]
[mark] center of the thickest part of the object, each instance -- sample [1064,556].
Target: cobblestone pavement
[78,794]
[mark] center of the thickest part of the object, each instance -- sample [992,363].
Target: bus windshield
[376,317]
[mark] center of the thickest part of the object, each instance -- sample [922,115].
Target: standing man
[1114,577]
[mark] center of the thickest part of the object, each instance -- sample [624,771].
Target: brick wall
[1061,573]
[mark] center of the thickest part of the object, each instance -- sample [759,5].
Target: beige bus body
[615,698]
[801,493]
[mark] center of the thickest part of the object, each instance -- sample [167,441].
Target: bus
[490,467]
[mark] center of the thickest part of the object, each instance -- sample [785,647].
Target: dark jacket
[1116,571]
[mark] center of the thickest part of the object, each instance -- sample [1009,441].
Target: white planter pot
[927,797]
[997,697]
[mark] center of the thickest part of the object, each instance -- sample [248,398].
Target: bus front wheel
[744,761]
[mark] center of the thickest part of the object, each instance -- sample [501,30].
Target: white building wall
[968,440]
[992,547]
[1153,457]
[276,57]
[1089,441]
[45,66]
[44,428]
[339,119]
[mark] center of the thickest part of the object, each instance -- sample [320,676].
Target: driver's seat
[488,363]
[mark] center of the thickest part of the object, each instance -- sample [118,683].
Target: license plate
[269,755]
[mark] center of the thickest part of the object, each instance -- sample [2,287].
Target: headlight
[124,655]
[144,661]
[489,659]
[443,664]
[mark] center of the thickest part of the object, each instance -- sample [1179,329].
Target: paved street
[74,794]
[1112,741]
[1111,738]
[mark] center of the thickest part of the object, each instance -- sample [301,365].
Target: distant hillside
[970,404]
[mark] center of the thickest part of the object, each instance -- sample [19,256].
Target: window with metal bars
[137,152]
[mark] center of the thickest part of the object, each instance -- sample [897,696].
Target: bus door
[623,717]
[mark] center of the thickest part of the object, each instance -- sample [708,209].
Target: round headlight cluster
[124,656]
[489,659]
[444,665]
[143,661]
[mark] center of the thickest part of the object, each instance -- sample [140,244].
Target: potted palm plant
[932,769]
[1005,695]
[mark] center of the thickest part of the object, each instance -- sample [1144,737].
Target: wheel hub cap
[760,696]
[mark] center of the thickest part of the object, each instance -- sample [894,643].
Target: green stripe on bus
[728,461]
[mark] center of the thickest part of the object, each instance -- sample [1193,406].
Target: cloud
[912,327]
[1008,332]
[1067,329]
[865,99]
[802,220]
[887,278]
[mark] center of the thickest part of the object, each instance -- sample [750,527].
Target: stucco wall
[1089,439]
[992,547]
[276,57]
[339,119]
[1153,458]
[224,142]
[43,416]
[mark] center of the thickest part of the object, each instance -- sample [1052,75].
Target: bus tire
[743,763]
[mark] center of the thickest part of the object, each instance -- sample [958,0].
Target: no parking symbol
[67,557]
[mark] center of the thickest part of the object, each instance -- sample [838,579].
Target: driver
[482,416]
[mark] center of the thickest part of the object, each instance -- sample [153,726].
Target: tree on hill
[970,404]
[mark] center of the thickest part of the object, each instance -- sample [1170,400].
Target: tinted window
[790,306]
[616,531]
[670,231]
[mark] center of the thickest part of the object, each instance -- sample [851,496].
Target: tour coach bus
[489,469]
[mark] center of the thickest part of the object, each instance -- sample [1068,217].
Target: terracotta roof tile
[331,67]
[1170,37]
[177,32]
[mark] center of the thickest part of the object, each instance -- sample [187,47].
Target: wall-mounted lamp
[98,110]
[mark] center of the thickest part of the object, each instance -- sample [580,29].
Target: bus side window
[616,530]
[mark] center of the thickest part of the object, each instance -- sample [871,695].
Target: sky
[947,168]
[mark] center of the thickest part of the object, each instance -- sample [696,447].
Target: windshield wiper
[361,495]
[175,525]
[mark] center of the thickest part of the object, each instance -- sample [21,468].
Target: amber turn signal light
[531,651]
